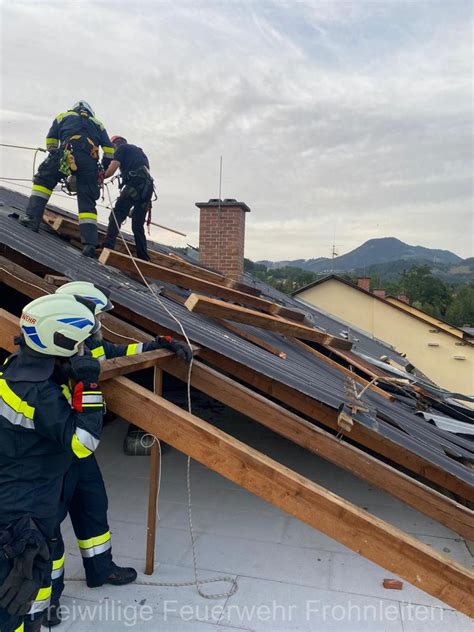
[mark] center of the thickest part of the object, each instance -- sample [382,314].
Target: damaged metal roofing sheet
[301,370]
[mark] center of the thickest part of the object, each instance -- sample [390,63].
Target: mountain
[372,252]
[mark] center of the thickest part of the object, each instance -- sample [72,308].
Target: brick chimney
[222,235]
[380,292]
[364,283]
[403,297]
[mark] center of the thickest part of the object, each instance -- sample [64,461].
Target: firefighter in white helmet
[84,489]
[51,411]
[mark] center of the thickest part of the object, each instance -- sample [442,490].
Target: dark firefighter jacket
[40,434]
[71,125]
[102,350]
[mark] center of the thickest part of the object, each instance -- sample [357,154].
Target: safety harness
[67,162]
[142,174]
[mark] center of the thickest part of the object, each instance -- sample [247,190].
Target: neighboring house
[443,352]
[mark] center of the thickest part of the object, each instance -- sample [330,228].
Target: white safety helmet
[82,106]
[57,325]
[97,295]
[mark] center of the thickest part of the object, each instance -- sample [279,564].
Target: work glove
[181,349]
[86,395]
[27,549]
[85,369]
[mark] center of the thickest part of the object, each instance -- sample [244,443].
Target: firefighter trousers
[88,192]
[85,498]
[136,197]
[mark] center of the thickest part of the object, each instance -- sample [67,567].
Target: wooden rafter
[69,227]
[214,308]
[369,536]
[116,330]
[191,282]
[322,413]
[297,429]
[307,435]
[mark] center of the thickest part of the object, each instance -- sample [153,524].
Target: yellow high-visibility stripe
[52,141]
[95,541]
[43,593]
[21,628]
[14,401]
[79,449]
[87,216]
[99,123]
[63,114]
[98,352]
[109,151]
[38,187]
[66,391]
[41,600]
[131,349]
[57,564]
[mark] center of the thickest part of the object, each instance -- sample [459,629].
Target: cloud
[347,116]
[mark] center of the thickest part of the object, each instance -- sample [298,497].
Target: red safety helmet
[118,140]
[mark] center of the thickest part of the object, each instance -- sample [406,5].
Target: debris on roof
[286,366]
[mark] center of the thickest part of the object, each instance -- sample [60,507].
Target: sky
[337,122]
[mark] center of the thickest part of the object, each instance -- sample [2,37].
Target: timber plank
[176,277]
[67,227]
[369,536]
[434,504]
[219,309]
[362,435]
[29,283]
[257,407]
[115,367]
[318,411]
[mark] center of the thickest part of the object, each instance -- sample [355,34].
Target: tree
[425,291]
[461,310]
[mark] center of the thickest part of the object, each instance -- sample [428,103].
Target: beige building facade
[442,352]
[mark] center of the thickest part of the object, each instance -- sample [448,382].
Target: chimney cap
[227,202]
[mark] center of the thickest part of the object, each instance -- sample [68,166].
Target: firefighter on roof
[137,188]
[73,144]
[41,433]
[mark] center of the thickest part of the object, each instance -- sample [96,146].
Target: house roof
[396,303]
[302,371]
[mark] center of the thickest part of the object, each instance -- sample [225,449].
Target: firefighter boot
[33,223]
[89,251]
[118,576]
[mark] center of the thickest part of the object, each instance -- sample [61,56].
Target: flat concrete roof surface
[290,577]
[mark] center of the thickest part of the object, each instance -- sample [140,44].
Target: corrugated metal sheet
[301,371]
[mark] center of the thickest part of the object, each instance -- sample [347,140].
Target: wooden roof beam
[304,433]
[355,528]
[109,369]
[189,281]
[116,330]
[221,310]
[430,502]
